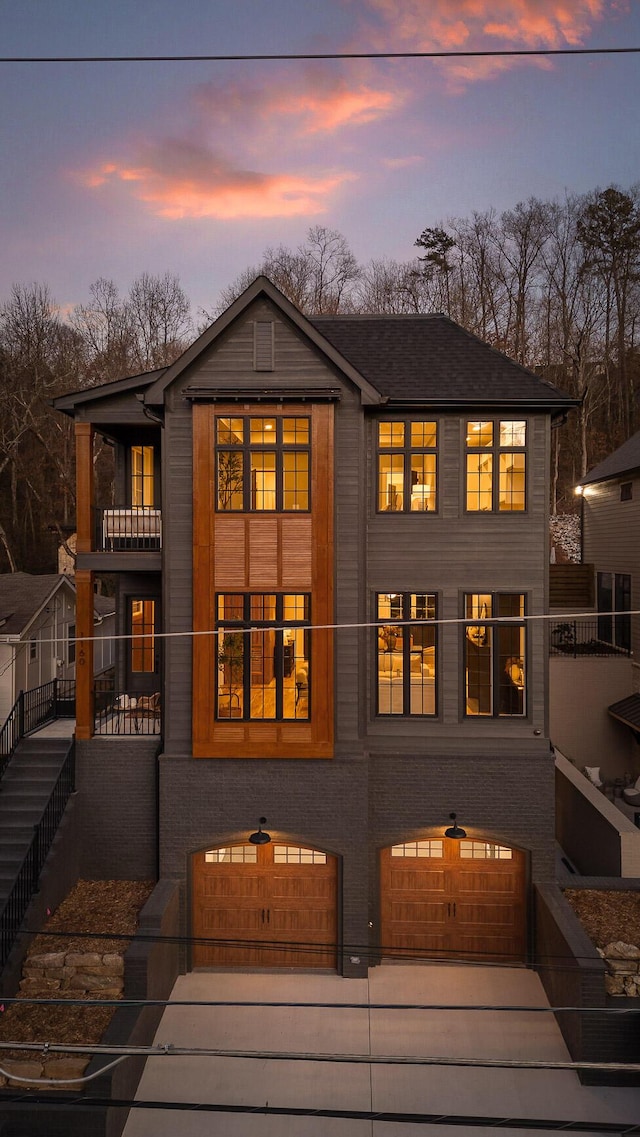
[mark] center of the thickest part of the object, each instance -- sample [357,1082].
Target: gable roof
[23,595]
[407,360]
[432,359]
[624,460]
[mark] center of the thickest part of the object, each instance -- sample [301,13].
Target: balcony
[137,529]
[578,638]
[125,712]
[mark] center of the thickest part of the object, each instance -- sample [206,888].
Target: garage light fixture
[456,831]
[260,837]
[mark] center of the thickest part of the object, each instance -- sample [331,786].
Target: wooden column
[84,486]
[84,654]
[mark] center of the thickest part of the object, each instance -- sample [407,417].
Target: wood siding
[263,553]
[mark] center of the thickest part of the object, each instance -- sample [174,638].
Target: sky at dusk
[114,169]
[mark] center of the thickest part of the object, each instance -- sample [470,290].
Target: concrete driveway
[545,1095]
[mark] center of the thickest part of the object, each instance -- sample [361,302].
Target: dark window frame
[408,622]
[495,622]
[406,450]
[495,450]
[247,448]
[613,590]
[279,622]
[626,491]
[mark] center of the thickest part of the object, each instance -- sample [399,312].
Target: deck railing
[26,882]
[125,712]
[32,709]
[133,529]
[577,638]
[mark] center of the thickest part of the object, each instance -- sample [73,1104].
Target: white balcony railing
[133,529]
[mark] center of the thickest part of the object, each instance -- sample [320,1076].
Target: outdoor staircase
[33,793]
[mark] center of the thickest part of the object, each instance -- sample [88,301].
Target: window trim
[247,448]
[495,450]
[278,625]
[406,450]
[407,624]
[495,623]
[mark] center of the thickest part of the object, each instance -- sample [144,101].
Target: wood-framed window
[142,477]
[143,627]
[407,466]
[262,463]
[496,465]
[495,654]
[264,656]
[406,657]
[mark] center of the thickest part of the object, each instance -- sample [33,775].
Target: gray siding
[611,538]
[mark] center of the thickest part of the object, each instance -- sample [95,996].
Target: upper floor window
[142,493]
[496,465]
[494,654]
[263,656]
[262,464]
[406,653]
[626,491]
[407,466]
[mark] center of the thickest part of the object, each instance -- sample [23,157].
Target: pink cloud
[178,179]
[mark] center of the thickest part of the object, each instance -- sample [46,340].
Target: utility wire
[293,56]
[622,1128]
[494,1009]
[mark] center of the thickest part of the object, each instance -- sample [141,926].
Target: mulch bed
[607,916]
[92,907]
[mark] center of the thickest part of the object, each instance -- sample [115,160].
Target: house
[610,495]
[37,633]
[330,542]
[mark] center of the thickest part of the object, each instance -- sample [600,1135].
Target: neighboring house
[328,535]
[611,542]
[37,633]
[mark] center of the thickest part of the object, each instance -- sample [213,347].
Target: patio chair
[632,794]
[593,774]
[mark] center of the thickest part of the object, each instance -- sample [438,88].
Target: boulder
[620,950]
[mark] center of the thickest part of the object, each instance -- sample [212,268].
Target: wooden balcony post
[84,486]
[84,654]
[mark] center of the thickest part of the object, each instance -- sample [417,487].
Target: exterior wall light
[579,490]
[260,837]
[456,831]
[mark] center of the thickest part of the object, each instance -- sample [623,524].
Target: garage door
[454,899]
[264,906]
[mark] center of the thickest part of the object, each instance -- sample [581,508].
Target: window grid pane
[406,654]
[484,851]
[295,480]
[293,855]
[251,477]
[235,854]
[432,848]
[390,482]
[143,636]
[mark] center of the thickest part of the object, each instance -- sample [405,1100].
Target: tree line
[553,284]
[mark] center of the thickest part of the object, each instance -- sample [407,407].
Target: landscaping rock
[49,959]
[614,984]
[83,959]
[61,1068]
[30,1070]
[621,950]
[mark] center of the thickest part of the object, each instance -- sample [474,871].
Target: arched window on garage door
[452,900]
[269,905]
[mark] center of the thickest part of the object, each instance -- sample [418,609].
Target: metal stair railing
[32,708]
[26,882]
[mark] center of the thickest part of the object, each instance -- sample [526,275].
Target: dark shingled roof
[628,711]
[623,460]
[22,595]
[432,359]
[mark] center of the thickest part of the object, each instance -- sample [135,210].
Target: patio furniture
[632,794]
[593,774]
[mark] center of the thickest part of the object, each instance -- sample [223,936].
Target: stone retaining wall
[78,974]
[623,969]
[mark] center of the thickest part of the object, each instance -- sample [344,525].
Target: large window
[496,465]
[406,653]
[142,493]
[262,464]
[143,647]
[614,595]
[495,654]
[263,656]
[407,466]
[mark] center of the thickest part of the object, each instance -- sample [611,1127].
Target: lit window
[418,849]
[262,464]
[484,851]
[235,855]
[142,492]
[263,667]
[407,464]
[143,654]
[495,654]
[293,855]
[406,653]
[496,465]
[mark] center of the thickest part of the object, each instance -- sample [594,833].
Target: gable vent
[263,345]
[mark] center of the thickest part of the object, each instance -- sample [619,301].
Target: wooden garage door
[264,906]
[453,899]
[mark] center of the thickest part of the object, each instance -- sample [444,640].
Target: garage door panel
[470,905]
[285,912]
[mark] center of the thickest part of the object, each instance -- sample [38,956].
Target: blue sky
[194,168]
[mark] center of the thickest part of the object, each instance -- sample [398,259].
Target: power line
[328,55]
[474,1121]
